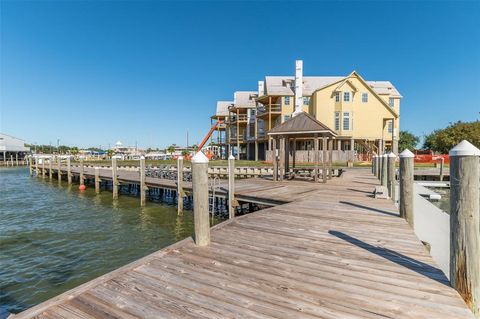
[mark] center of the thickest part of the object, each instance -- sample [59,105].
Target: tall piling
[200,199]
[69,170]
[59,168]
[143,191]
[231,186]
[82,172]
[30,165]
[406,186]
[114,178]
[391,157]
[50,168]
[97,180]
[43,168]
[442,164]
[384,170]
[180,192]
[465,223]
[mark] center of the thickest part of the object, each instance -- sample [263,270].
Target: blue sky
[91,73]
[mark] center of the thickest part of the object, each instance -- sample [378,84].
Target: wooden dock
[331,251]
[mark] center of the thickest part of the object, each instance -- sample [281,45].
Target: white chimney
[261,88]
[298,87]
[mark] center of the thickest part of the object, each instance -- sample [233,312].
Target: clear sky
[94,72]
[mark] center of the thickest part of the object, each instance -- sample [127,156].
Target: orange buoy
[82,187]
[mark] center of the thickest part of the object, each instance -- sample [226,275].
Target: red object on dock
[82,187]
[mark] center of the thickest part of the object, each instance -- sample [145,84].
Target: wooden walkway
[331,252]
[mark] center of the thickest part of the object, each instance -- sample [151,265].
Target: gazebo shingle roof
[302,123]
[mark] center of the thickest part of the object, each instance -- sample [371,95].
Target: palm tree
[171,149]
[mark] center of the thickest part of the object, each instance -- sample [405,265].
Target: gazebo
[301,127]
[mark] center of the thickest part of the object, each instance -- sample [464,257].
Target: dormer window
[346,96]
[391,102]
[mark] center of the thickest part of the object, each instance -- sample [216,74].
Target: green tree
[185,153]
[442,140]
[171,149]
[74,150]
[407,140]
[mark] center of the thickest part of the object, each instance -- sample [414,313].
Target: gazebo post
[294,151]
[330,157]
[287,155]
[316,157]
[274,158]
[324,158]
[282,157]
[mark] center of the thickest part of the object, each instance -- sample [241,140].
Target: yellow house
[365,115]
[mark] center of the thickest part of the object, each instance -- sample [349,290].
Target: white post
[465,223]
[231,186]
[200,199]
[406,185]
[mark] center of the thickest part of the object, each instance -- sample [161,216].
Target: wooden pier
[328,251]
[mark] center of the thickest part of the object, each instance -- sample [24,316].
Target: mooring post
[30,165]
[374,158]
[384,170]
[143,191]
[50,168]
[465,223]
[82,181]
[97,180]
[114,178]
[231,186]
[43,167]
[406,186]
[391,157]
[11,159]
[200,199]
[59,167]
[16,158]
[180,185]
[378,166]
[442,163]
[37,170]
[69,170]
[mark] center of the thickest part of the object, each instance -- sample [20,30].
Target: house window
[390,126]
[287,100]
[306,100]
[346,96]
[364,97]
[337,121]
[391,102]
[337,96]
[346,121]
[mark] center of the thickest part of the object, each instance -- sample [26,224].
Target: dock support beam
[231,186]
[59,171]
[406,186]
[82,177]
[16,158]
[114,178]
[50,168]
[200,199]
[465,223]
[69,170]
[143,187]
[374,161]
[384,169]
[43,168]
[180,185]
[97,180]
[30,165]
[37,170]
[391,157]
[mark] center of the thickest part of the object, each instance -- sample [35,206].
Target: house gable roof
[302,123]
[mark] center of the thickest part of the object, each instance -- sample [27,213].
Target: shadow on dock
[398,258]
[369,208]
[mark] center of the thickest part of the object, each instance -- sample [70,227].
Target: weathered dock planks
[332,251]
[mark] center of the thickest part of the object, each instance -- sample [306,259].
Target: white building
[127,152]
[12,147]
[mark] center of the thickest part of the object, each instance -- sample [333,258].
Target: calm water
[53,237]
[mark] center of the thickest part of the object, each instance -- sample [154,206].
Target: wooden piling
[30,165]
[16,158]
[59,168]
[11,160]
[391,157]
[442,164]
[37,170]
[406,186]
[231,186]
[43,168]
[200,199]
[69,170]
[281,160]
[465,223]
[374,159]
[330,157]
[180,192]
[114,178]
[82,172]
[378,166]
[50,168]
[97,180]
[384,170]
[143,185]
[316,156]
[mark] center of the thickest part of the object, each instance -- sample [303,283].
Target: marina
[330,250]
